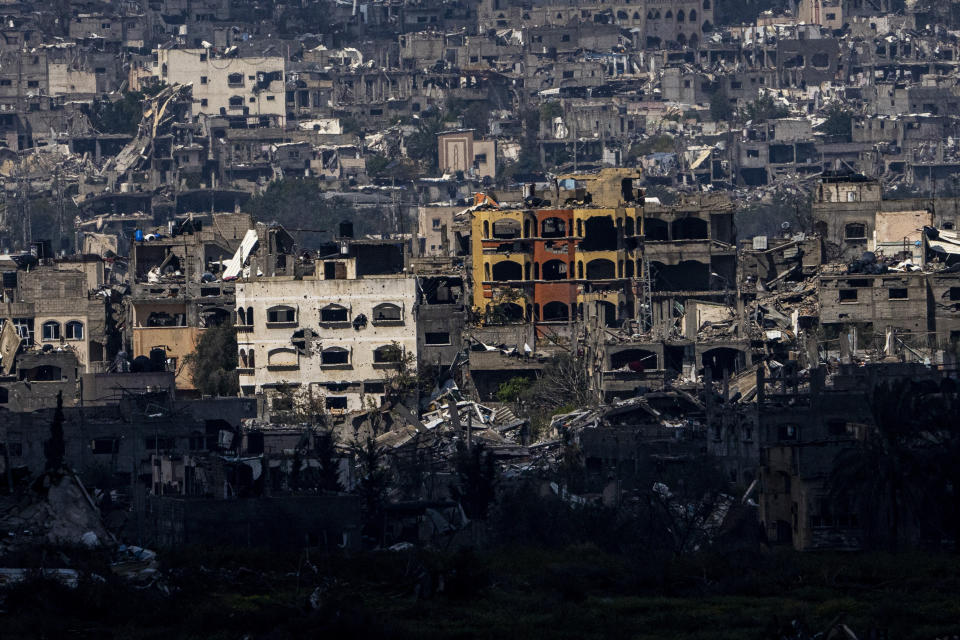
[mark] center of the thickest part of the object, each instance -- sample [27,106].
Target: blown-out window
[334,313]
[334,356]
[388,353]
[387,312]
[281,314]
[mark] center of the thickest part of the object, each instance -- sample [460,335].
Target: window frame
[395,361]
[347,364]
[334,323]
[388,322]
[73,324]
[428,343]
[51,323]
[290,318]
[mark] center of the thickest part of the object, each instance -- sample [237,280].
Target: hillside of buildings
[480,317]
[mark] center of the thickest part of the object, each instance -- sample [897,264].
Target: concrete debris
[59,511]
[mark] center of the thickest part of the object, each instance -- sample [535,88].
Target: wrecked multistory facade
[123,429]
[660,24]
[247,89]
[179,287]
[640,279]
[684,282]
[537,264]
[776,149]
[803,426]
[441,318]
[59,305]
[902,299]
[852,215]
[439,233]
[333,330]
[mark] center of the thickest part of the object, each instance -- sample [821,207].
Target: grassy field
[577,592]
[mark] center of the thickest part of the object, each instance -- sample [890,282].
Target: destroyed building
[333,327]
[179,288]
[803,425]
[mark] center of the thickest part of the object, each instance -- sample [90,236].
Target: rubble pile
[56,510]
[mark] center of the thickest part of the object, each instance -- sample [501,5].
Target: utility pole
[58,194]
[646,303]
[23,204]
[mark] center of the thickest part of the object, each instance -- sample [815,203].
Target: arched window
[622,15]
[681,15]
[656,229]
[282,357]
[707,27]
[387,354]
[601,269]
[554,270]
[681,40]
[241,316]
[486,229]
[507,270]
[706,5]
[636,15]
[281,313]
[334,313]
[250,315]
[335,356]
[649,15]
[51,330]
[668,15]
[243,359]
[693,15]
[74,330]
[235,80]
[250,358]
[387,312]
[556,311]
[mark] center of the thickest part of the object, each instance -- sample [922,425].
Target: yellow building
[535,264]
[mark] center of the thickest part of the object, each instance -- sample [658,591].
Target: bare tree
[563,385]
